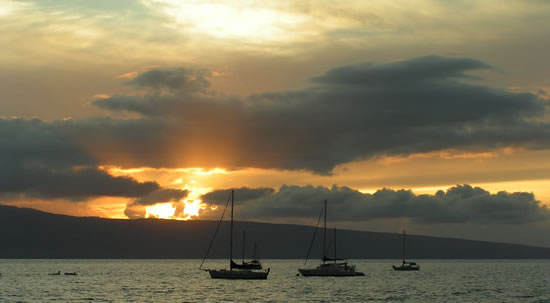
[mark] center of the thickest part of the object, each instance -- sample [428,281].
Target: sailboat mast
[325,234]
[335,245]
[403,247]
[231,232]
[244,238]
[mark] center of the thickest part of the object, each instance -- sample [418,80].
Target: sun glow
[9,7]
[193,204]
[160,211]
[191,179]
[192,208]
[229,19]
[168,210]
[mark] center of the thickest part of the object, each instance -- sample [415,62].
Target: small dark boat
[252,264]
[244,271]
[70,274]
[405,265]
[55,273]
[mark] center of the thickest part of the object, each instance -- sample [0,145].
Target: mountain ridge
[29,233]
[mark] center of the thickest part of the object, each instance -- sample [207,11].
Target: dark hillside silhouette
[28,233]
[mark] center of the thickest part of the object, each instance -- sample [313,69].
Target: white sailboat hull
[331,270]
[336,269]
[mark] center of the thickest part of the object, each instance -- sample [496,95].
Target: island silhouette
[29,233]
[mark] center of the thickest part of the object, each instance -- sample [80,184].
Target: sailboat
[235,271]
[252,264]
[331,267]
[405,265]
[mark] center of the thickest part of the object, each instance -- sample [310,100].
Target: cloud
[408,72]
[242,195]
[73,184]
[135,212]
[170,91]
[173,79]
[459,204]
[349,113]
[128,75]
[45,160]
[42,144]
[161,196]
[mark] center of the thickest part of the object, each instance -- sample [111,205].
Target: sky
[426,115]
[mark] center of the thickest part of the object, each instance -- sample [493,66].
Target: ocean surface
[182,281]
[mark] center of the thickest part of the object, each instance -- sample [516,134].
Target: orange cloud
[129,75]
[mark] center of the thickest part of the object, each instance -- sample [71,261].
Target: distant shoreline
[31,234]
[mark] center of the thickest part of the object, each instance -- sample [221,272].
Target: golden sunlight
[214,171]
[193,204]
[192,208]
[9,7]
[168,210]
[230,19]
[160,211]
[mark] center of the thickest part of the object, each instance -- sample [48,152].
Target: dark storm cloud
[194,107]
[429,68]
[349,113]
[167,89]
[242,195]
[38,143]
[46,160]
[459,204]
[126,103]
[173,79]
[73,184]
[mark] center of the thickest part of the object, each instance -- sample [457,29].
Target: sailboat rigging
[405,265]
[235,271]
[252,264]
[330,266]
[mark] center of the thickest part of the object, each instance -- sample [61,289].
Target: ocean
[182,281]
